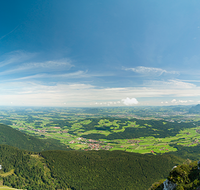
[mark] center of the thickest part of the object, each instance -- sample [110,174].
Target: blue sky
[99,53]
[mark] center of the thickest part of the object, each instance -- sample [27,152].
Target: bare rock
[198,165]
[168,185]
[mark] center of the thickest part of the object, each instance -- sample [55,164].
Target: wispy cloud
[150,71]
[39,67]
[15,57]
[196,81]
[78,74]
[50,64]
[9,33]
[169,84]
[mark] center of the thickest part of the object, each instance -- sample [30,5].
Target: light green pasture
[7,188]
[106,133]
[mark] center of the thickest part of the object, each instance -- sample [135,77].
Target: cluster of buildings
[133,141]
[92,144]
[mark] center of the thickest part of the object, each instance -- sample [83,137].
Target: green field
[86,131]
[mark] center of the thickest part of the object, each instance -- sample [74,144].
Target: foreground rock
[185,176]
[168,185]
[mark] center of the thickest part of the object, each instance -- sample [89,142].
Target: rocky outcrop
[185,176]
[168,185]
[174,167]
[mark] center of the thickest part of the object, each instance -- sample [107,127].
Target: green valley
[79,129]
[77,149]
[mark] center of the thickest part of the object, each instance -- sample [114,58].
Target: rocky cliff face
[168,185]
[199,165]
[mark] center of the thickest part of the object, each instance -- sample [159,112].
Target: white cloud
[80,94]
[107,103]
[129,101]
[150,71]
[183,101]
[169,84]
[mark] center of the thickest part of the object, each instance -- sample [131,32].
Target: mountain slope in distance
[195,109]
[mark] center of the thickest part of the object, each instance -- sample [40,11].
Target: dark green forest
[163,130]
[29,171]
[82,170]
[15,138]
[108,170]
[45,164]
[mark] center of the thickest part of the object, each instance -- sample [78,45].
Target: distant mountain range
[195,109]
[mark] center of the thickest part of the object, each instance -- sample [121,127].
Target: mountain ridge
[13,137]
[195,109]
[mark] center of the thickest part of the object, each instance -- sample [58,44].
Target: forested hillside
[141,128]
[82,170]
[24,170]
[59,169]
[15,138]
[108,170]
